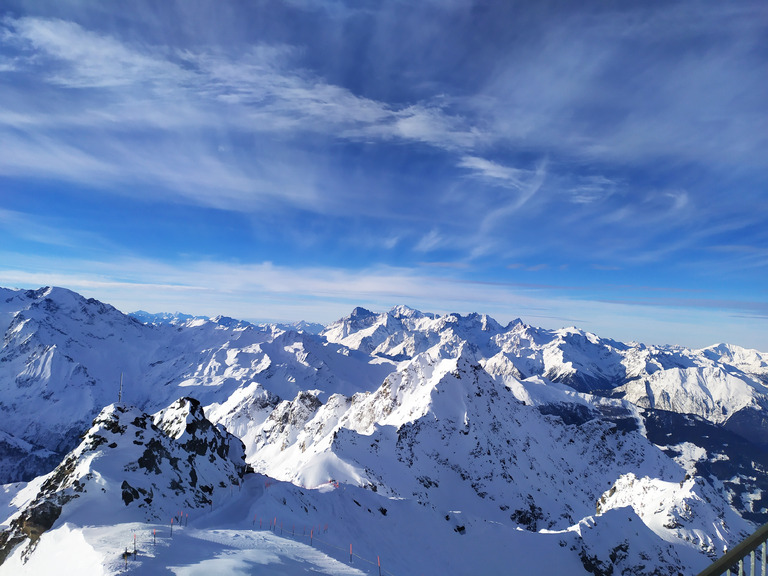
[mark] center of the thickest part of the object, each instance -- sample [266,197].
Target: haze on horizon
[604,166]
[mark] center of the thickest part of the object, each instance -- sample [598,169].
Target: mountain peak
[129,469]
[360,312]
[403,311]
[179,417]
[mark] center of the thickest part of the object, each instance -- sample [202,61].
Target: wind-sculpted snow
[631,458]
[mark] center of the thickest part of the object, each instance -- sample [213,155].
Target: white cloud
[30,228]
[249,129]
[615,85]
[591,189]
[432,126]
[147,114]
[391,242]
[258,291]
[429,242]
[494,172]
[526,190]
[95,61]
[679,200]
[259,90]
[247,290]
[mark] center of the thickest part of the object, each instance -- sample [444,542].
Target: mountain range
[442,443]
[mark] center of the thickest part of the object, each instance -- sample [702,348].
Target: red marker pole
[311,533]
[154,536]
[350,553]
[171,527]
[378,559]
[186,518]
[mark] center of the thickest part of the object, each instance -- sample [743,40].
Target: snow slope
[256,525]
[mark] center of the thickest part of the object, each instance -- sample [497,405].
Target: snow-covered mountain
[130,464]
[497,440]
[580,359]
[63,357]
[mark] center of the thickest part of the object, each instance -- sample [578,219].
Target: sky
[597,164]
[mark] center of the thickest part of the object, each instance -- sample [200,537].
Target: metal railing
[732,562]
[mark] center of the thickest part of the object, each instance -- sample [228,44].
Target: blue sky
[602,165]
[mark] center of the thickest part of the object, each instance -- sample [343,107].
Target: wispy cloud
[140,111]
[255,291]
[440,139]
[33,228]
[430,241]
[247,290]
[496,173]
[88,60]
[262,88]
[526,183]
[591,189]
[614,85]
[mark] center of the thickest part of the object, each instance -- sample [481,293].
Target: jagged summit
[361,313]
[403,311]
[129,468]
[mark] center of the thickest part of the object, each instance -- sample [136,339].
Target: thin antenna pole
[120,394]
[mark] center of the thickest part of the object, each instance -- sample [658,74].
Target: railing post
[736,556]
